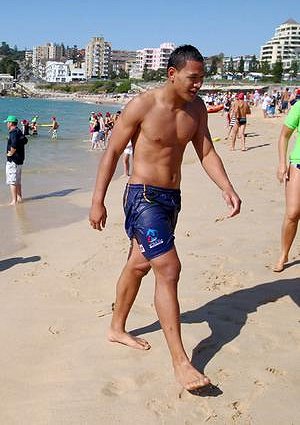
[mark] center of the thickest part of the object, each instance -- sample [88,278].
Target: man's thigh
[167,265]
[11,173]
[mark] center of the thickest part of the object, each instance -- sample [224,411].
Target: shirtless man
[160,123]
[240,109]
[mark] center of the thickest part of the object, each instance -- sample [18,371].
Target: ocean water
[52,169]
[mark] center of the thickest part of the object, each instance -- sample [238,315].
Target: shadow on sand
[258,146]
[11,262]
[56,194]
[226,316]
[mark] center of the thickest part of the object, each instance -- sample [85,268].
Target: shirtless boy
[240,109]
[160,123]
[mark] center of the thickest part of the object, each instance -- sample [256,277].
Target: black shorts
[242,121]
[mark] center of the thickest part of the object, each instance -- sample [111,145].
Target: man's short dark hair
[182,54]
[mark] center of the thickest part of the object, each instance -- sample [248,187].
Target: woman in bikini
[290,175]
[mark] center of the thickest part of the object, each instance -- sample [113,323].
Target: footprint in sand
[275,371]
[112,389]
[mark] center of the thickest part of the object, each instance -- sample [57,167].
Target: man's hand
[233,202]
[98,216]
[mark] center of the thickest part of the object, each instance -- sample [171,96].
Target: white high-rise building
[284,45]
[153,58]
[97,58]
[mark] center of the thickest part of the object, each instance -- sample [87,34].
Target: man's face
[188,80]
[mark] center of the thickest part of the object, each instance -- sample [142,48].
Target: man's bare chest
[169,128]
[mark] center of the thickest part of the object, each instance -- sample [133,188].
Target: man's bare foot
[189,377]
[19,199]
[129,340]
[13,203]
[279,267]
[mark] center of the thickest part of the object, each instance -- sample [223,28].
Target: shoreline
[106,99]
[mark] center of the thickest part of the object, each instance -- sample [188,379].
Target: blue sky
[233,27]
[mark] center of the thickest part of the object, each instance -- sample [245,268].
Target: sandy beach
[240,320]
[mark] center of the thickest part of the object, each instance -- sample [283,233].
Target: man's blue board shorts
[150,217]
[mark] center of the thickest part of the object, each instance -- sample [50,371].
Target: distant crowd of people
[31,127]
[236,106]
[100,127]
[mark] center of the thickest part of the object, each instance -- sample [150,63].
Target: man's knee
[293,214]
[140,268]
[168,270]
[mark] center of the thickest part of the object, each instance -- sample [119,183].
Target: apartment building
[122,60]
[98,58]
[42,54]
[284,45]
[152,58]
[64,72]
[234,62]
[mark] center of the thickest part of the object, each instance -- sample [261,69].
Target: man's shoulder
[198,105]
[13,134]
[142,102]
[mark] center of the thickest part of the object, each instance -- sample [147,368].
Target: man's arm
[13,144]
[124,129]
[213,164]
[11,152]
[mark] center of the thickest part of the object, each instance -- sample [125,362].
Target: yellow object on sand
[45,125]
[216,139]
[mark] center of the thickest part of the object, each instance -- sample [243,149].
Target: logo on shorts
[142,249]
[152,238]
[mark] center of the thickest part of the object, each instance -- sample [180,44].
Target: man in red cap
[240,110]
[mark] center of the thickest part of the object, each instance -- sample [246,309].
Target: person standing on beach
[127,155]
[240,110]
[285,98]
[160,123]
[15,155]
[290,175]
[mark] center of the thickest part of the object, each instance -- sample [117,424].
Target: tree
[160,74]
[231,65]
[265,68]
[214,65]
[8,66]
[123,74]
[253,65]
[124,87]
[110,87]
[241,65]
[145,71]
[294,68]
[277,71]
[4,49]
[112,75]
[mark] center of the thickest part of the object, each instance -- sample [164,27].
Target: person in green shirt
[290,175]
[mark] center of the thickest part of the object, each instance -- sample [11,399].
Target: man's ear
[171,73]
